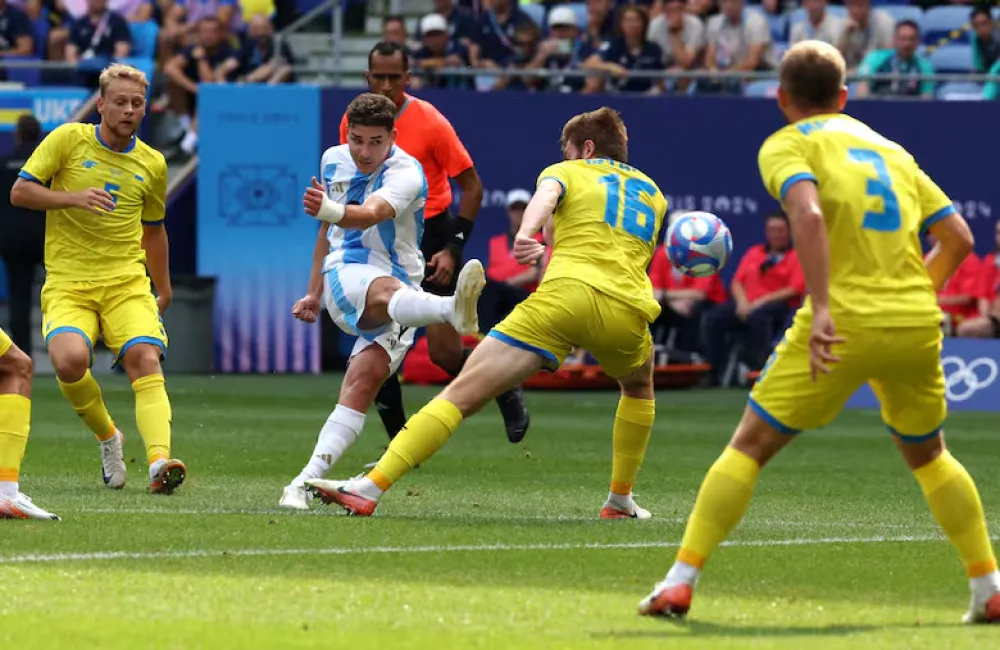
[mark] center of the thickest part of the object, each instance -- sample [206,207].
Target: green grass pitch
[488,545]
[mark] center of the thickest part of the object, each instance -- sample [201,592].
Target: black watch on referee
[462,229]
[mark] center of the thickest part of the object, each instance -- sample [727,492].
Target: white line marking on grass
[377,550]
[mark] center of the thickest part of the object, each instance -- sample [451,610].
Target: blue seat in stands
[799,15]
[581,12]
[144,38]
[903,12]
[765,88]
[945,22]
[145,64]
[952,58]
[536,13]
[960,91]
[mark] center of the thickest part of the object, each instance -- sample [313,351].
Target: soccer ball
[699,244]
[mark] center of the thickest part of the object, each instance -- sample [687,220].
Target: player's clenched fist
[312,200]
[306,308]
[527,250]
[95,200]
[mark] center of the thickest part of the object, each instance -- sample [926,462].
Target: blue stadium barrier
[903,12]
[26,76]
[765,88]
[940,22]
[144,37]
[952,58]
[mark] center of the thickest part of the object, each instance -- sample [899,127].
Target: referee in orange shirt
[424,133]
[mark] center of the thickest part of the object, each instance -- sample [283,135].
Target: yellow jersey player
[596,295]
[857,204]
[103,191]
[16,371]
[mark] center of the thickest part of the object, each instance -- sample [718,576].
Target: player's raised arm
[941,219]
[811,241]
[536,215]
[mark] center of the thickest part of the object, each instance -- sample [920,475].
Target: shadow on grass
[673,629]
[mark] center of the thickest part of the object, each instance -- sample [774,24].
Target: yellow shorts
[123,312]
[5,343]
[563,314]
[902,365]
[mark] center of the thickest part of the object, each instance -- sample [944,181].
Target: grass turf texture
[488,545]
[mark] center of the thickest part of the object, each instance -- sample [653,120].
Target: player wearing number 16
[596,295]
[857,204]
[103,191]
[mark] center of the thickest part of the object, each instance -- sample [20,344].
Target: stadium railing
[337,8]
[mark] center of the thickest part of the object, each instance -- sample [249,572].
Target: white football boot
[615,510]
[113,469]
[21,507]
[295,497]
[468,287]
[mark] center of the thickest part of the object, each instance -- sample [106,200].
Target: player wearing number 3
[596,295]
[857,204]
[103,191]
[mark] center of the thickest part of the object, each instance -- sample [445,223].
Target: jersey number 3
[888,220]
[636,218]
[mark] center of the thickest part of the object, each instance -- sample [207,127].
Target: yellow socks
[15,421]
[954,501]
[153,416]
[85,398]
[722,500]
[423,435]
[633,424]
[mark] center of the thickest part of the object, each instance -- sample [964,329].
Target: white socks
[411,308]
[982,587]
[620,501]
[368,489]
[8,490]
[340,431]
[681,573]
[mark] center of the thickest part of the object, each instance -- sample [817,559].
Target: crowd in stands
[603,45]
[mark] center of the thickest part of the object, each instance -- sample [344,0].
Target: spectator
[987,324]
[438,51]
[903,63]
[958,298]
[679,34]
[33,8]
[182,18]
[702,9]
[526,57]
[600,23]
[684,299]
[565,49]
[15,34]
[866,30]
[394,31]
[257,61]
[200,63]
[134,11]
[767,288]
[992,89]
[96,39]
[496,34]
[737,40]
[985,40]
[461,23]
[819,25]
[507,282]
[22,236]
[629,50]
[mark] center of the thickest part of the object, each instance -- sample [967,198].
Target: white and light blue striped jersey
[392,245]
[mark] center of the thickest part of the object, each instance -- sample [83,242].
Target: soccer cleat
[465,314]
[342,494]
[113,469]
[668,602]
[165,476]
[614,511]
[516,418]
[22,507]
[294,497]
[983,611]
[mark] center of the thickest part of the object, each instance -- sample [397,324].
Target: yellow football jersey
[876,201]
[606,226]
[80,245]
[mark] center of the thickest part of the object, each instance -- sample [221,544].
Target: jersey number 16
[634,216]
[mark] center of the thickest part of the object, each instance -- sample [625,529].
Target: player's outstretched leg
[413,308]
[15,420]
[633,426]
[71,358]
[153,415]
[954,502]
[493,368]
[722,500]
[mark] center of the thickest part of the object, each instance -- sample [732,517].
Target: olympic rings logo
[962,380]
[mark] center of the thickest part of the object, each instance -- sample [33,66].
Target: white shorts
[345,292]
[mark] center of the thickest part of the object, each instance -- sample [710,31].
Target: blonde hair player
[857,204]
[595,295]
[103,191]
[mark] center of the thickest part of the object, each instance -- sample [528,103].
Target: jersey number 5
[111,188]
[638,218]
[888,220]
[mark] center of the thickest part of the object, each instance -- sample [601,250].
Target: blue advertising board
[51,106]
[258,150]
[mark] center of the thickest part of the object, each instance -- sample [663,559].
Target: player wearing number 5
[103,190]
[857,204]
[596,295]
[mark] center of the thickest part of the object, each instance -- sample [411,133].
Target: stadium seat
[799,15]
[536,13]
[26,76]
[960,91]
[764,88]
[144,37]
[581,12]
[952,58]
[903,12]
[941,22]
[779,26]
[146,65]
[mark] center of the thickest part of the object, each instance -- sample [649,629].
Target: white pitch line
[381,550]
